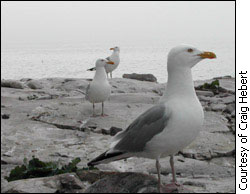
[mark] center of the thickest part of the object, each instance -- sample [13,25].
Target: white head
[102,62]
[115,49]
[186,56]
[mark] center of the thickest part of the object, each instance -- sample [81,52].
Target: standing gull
[99,89]
[114,58]
[169,126]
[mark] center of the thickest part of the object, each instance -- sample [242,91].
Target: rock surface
[54,123]
[141,77]
[33,84]
[65,183]
[12,84]
[125,183]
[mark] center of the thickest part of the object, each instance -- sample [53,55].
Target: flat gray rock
[127,182]
[187,167]
[12,84]
[34,84]
[204,93]
[141,77]
[218,107]
[60,183]
[215,122]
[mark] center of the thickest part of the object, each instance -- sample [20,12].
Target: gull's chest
[110,67]
[182,128]
[115,59]
[186,114]
[99,92]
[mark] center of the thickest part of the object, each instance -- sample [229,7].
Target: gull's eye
[190,50]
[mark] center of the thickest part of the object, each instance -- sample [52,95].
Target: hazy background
[77,33]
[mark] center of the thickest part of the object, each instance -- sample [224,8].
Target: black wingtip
[103,157]
[91,69]
[97,159]
[90,164]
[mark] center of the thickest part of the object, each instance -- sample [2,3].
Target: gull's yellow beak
[110,62]
[207,55]
[111,48]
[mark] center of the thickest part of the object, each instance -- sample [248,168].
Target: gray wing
[143,129]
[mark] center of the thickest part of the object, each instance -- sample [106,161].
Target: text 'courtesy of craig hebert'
[242,130]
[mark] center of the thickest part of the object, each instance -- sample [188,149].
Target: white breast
[99,92]
[111,67]
[182,128]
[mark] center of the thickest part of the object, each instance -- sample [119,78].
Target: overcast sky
[50,22]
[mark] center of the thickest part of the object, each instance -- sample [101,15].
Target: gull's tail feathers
[107,157]
[91,69]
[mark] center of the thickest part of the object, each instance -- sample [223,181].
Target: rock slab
[64,183]
[141,77]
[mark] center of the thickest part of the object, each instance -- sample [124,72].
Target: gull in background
[169,126]
[114,58]
[98,91]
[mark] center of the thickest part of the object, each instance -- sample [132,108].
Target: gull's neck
[180,82]
[116,53]
[100,74]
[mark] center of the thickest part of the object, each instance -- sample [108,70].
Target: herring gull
[99,89]
[114,58]
[168,126]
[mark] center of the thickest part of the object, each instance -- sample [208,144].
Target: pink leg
[174,186]
[158,168]
[172,168]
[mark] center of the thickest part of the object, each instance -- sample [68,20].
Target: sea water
[72,60]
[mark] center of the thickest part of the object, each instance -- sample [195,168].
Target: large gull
[114,58]
[169,126]
[99,89]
